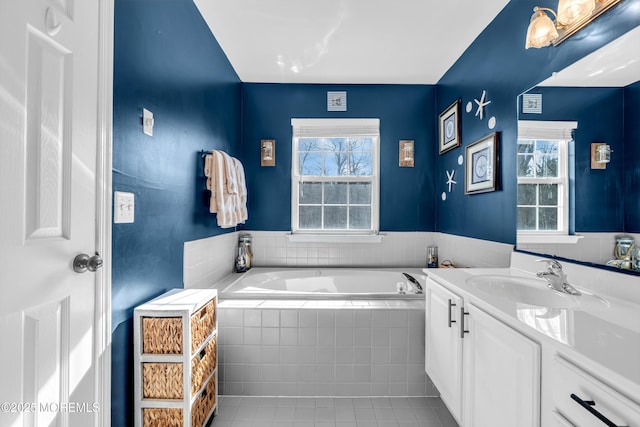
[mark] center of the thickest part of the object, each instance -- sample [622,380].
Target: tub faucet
[556,278]
[417,287]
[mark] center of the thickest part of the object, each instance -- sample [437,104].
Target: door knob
[84,262]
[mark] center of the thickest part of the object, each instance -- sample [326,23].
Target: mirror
[598,203]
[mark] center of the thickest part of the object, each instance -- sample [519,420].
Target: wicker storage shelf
[163,380]
[174,387]
[201,410]
[163,335]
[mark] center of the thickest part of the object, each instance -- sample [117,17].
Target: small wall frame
[482,167]
[267,152]
[449,125]
[406,153]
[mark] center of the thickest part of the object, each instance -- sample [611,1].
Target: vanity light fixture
[572,16]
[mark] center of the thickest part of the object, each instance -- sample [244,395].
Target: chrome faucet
[556,277]
[417,287]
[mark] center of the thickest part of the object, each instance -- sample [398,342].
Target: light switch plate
[147,122]
[123,207]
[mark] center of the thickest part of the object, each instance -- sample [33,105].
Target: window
[543,177]
[335,176]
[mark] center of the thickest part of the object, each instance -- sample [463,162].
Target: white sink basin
[534,292]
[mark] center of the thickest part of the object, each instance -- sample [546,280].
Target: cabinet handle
[462,329]
[589,406]
[451,304]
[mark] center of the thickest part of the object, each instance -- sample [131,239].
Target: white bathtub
[324,283]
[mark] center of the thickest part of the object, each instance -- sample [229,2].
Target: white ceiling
[346,41]
[617,64]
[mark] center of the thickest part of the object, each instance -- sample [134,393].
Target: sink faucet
[556,277]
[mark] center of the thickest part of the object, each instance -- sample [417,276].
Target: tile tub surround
[322,348]
[338,412]
[397,249]
[209,260]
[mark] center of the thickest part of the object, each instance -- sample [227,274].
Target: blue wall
[498,63]
[599,113]
[166,60]
[632,158]
[405,112]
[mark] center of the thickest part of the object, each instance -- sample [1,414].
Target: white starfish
[450,180]
[481,104]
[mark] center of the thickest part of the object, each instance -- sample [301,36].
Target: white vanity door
[443,353]
[501,374]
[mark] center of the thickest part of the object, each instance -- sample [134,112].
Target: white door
[48,139]
[501,374]
[443,353]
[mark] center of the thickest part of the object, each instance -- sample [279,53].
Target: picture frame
[406,153]
[482,165]
[449,126]
[267,152]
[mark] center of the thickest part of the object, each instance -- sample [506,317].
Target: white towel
[221,202]
[225,174]
[230,174]
[243,215]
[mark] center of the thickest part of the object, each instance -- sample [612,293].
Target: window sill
[548,239]
[335,238]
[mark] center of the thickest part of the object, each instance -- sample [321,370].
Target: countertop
[609,335]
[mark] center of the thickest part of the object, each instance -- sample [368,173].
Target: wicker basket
[202,365]
[162,381]
[163,335]
[204,404]
[162,417]
[203,322]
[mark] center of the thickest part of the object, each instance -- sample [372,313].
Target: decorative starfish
[481,104]
[450,180]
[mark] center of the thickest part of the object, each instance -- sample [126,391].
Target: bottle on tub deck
[245,254]
[432,257]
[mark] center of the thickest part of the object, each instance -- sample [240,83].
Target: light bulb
[570,11]
[542,31]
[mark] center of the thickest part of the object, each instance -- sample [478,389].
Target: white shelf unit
[176,359]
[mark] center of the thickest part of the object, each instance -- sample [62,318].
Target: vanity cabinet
[501,373]
[443,352]
[487,372]
[580,398]
[175,359]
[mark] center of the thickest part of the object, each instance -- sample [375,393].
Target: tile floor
[244,411]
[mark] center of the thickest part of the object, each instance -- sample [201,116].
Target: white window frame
[320,128]
[550,131]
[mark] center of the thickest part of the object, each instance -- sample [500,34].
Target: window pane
[547,147]
[360,217]
[525,146]
[547,166]
[310,217]
[525,165]
[310,193]
[360,163]
[548,219]
[359,193]
[335,217]
[335,163]
[310,163]
[310,144]
[527,194]
[548,194]
[526,218]
[360,144]
[335,192]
